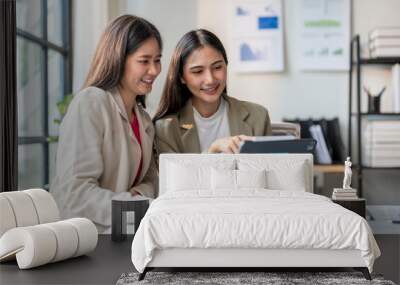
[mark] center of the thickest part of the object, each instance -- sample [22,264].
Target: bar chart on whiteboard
[257,36]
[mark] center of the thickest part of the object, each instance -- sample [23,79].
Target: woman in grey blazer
[105,147]
[195,113]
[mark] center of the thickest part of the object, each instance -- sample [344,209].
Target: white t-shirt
[214,127]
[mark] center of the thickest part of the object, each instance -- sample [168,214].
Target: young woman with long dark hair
[106,138]
[195,113]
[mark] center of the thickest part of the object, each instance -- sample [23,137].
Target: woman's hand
[228,144]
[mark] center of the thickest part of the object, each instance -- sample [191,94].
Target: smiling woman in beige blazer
[106,138]
[195,113]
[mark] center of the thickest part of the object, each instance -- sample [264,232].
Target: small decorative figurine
[347,174]
[345,193]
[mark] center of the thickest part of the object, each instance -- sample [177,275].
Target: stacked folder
[344,194]
[385,42]
[330,148]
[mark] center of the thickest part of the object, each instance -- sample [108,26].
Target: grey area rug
[269,278]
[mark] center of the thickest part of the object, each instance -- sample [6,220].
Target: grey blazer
[98,156]
[178,133]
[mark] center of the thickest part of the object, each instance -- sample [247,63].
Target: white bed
[247,210]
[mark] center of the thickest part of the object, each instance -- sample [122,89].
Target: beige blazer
[178,132]
[98,156]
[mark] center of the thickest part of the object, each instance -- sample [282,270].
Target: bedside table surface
[350,200]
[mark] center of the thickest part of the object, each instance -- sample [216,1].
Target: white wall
[314,94]
[294,93]
[173,18]
[290,94]
[89,18]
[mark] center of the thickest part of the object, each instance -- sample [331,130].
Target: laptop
[278,145]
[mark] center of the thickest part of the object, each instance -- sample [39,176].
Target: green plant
[62,107]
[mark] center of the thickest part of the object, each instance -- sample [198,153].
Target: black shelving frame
[355,66]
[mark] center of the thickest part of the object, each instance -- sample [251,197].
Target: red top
[136,131]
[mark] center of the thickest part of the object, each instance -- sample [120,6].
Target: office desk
[102,266]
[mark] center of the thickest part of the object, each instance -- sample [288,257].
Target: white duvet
[253,218]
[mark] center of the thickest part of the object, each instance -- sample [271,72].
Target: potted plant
[62,107]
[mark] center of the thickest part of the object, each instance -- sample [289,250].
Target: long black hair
[175,93]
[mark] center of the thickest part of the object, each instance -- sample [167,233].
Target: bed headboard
[297,166]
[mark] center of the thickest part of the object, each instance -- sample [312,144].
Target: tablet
[278,146]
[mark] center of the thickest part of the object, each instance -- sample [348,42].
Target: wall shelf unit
[356,63]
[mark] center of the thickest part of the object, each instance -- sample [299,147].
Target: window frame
[8,98]
[66,53]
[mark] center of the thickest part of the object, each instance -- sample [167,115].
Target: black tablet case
[279,146]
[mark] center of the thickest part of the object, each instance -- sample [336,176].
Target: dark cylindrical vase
[374,104]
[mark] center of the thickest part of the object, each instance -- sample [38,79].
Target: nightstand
[355,205]
[138,205]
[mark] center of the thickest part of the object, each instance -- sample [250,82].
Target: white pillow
[186,176]
[282,174]
[293,180]
[183,178]
[251,178]
[223,179]
[237,179]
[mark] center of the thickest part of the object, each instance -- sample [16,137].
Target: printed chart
[257,36]
[324,34]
